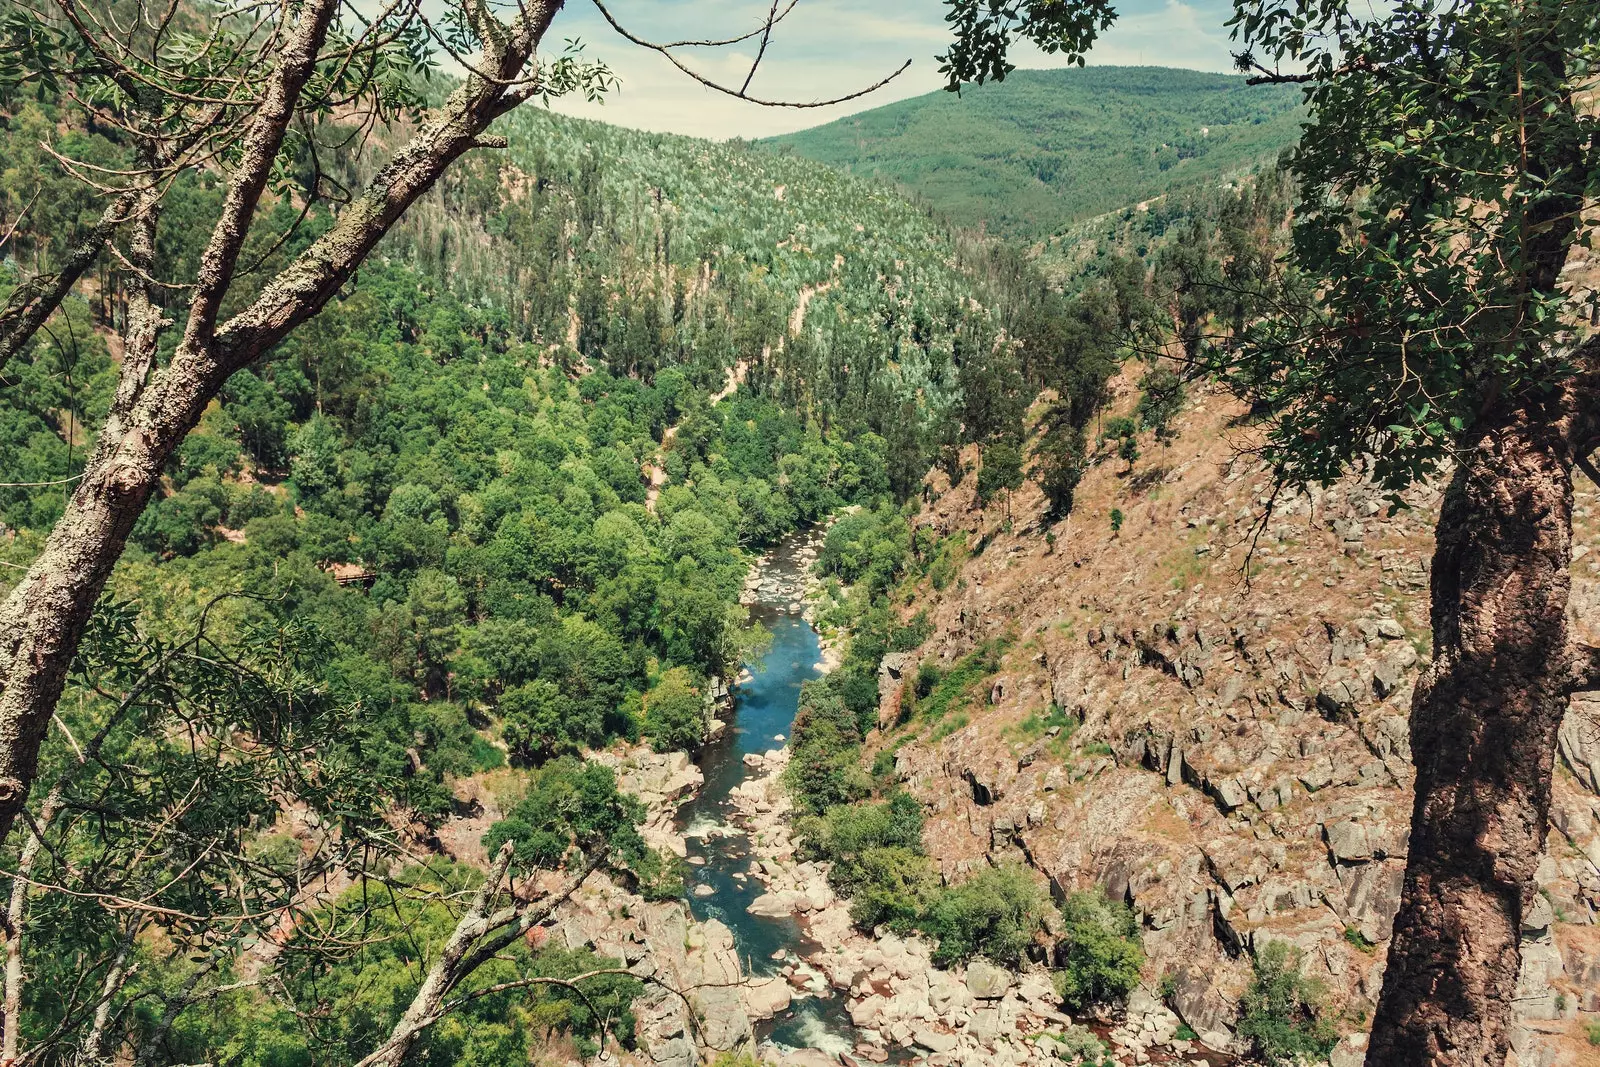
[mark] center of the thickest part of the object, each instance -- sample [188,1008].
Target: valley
[1093,569]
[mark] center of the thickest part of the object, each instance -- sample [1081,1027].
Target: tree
[995,914]
[675,713]
[1446,172]
[242,95]
[1001,471]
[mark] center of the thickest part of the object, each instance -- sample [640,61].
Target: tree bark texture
[1483,731]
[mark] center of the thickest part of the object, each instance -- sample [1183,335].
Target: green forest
[391,467]
[1045,149]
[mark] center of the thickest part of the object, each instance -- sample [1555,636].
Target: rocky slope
[1234,756]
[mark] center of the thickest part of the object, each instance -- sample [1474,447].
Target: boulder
[986,981]
[774,905]
[1347,841]
[933,1040]
[766,997]
[1229,793]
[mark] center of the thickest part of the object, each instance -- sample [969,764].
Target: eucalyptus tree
[1447,170]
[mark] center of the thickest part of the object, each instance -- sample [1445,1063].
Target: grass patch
[1037,724]
[1358,940]
[952,690]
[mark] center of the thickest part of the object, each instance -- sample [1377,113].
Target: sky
[826,48]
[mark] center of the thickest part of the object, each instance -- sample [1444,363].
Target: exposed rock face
[1237,763]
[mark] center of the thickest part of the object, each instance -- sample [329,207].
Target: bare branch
[35,300]
[665,51]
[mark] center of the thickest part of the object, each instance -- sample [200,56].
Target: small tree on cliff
[1446,171]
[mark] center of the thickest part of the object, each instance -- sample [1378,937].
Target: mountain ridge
[1049,148]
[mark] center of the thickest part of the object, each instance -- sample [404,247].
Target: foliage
[1160,401]
[1278,1014]
[951,689]
[1443,172]
[675,712]
[1100,951]
[570,807]
[866,546]
[1049,148]
[1079,1044]
[1001,471]
[996,914]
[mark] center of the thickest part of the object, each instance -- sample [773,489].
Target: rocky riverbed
[899,1001]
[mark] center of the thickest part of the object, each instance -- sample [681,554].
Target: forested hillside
[484,588]
[1044,149]
[495,504]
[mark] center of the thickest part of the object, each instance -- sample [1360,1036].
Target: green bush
[994,914]
[826,739]
[541,722]
[675,713]
[1278,1014]
[1103,954]
[892,887]
[1078,1044]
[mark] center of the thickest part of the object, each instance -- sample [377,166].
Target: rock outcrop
[1236,762]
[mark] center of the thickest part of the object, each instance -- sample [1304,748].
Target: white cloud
[827,48]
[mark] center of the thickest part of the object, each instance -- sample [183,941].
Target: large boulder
[766,997]
[1347,841]
[986,981]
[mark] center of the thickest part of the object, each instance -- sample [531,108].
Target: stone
[1348,1052]
[773,905]
[1372,897]
[766,997]
[1229,793]
[1347,841]
[1319,775]
[1202,1007]
[1537,917]
[985,1025]
[986,981]
[1341,694]
[933,1040]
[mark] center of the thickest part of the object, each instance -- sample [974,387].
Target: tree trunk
[1483,736]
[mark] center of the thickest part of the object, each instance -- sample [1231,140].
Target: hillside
[1105,700]
[487,516]
[1046,148]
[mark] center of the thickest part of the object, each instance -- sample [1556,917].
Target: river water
[763,713]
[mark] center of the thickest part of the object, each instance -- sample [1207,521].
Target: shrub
[994,914]
[1359,940]
[1278,1014]
[892,887]
[1078,1044]
[1592,1030]
[675,713]
[660,875]
[1103,954]
[824,771]
[542,722]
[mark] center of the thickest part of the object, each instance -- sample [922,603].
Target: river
[763,712]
